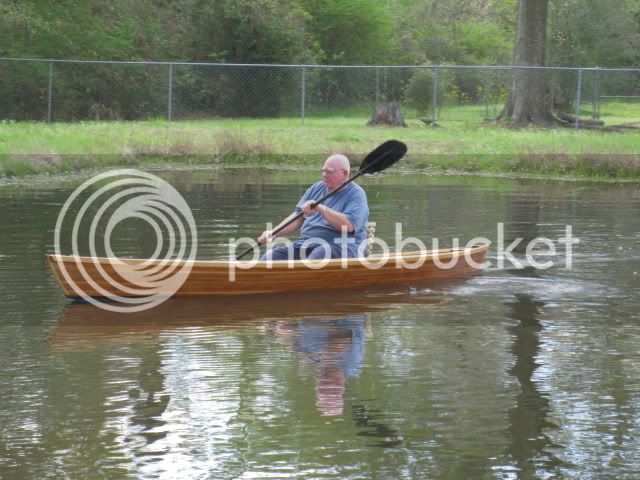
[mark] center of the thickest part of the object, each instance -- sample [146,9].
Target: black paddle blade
[383,157]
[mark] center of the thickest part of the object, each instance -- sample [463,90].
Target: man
[322,226]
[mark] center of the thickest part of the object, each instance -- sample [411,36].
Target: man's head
[330,387]
[335,171]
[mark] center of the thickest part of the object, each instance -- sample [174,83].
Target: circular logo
[103,203]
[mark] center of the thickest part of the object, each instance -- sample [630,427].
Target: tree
[530,101]
[357,31]
[242,31]
[462,32]
[85,30]
[612,41]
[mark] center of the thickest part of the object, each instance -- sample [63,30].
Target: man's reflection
[333,349]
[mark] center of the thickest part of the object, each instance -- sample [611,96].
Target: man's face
[333,174]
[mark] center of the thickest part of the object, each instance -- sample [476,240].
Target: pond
[527,372]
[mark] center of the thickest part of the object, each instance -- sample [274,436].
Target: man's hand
[337,220]
[309,207]
[266,237]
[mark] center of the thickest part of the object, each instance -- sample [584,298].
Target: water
[514,374]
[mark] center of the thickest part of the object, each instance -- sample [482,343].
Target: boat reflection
[82,323]
[326,331]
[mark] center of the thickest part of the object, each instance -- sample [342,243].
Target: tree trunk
[530,99]
[388,114]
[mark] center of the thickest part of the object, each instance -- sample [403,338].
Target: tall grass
[462,141]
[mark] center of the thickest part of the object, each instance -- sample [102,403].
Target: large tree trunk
[530,99]
[388,114]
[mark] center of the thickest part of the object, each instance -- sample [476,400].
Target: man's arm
[337,220]
[291,228]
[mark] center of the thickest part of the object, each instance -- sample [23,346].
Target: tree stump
[388,114]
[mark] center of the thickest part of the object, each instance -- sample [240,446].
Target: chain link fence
[67,91]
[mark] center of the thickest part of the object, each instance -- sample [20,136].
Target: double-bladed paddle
[376,161]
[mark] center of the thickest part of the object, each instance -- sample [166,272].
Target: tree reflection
[528,419]
[523,217]
[149,402]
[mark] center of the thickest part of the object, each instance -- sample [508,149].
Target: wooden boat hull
[78,276]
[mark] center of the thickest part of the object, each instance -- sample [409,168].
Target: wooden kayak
[92,276]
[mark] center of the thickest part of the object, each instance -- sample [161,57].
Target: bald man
[322,226]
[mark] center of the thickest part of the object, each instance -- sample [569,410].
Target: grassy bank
[31,148]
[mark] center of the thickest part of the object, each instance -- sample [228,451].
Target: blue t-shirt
[351,200]
[317,337]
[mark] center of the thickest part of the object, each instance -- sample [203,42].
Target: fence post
[170,94]
[434,99]
[578,98]
[377,86]
[487,86]
[303,94]
[596,93]
[50,93]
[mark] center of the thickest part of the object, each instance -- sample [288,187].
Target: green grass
[462,142]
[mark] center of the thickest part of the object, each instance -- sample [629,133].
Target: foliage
[242,31]
[373,32]
[353,32]
[247,31]
[577,39]
[348,32]
[419,91]
[478,32]
[454,32]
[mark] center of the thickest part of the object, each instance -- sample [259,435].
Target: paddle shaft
[293,219]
